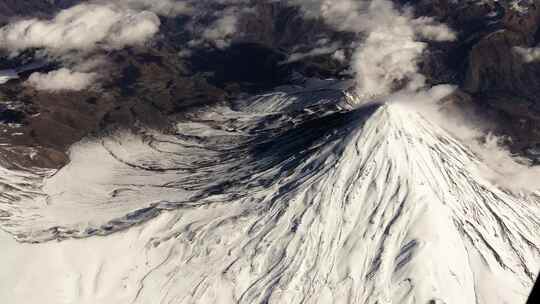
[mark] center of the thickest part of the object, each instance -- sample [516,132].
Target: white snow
[282,199]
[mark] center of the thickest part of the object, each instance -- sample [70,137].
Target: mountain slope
[297,196]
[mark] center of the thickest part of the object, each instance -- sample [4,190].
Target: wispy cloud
[61,80]
[499,165]
[85,27]
[160,7]
[391,46]
[528,54]
[223,21]
[324,49]
[221,30]
[77,34]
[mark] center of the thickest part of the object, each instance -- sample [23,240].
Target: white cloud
[84,27]
[342,14]
[78,35]
[97,24]
[504,168]
[499,165]
[387,58]
[528,54]
[7,75]
[428,28]
[160,7]
[221,30]
[322,50]
[61,80]
[340,56]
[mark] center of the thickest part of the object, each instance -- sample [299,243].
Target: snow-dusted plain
[297,196]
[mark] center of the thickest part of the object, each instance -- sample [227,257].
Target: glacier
[300,195]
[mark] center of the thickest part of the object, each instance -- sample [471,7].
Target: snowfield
[297,196]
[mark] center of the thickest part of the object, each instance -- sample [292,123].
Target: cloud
[92,25]
[84,27]
[344,15]
[339,55]
[225,21]
[505,169]
[528,54]
[317,51]
[77,36]
[161,7]
[221,30]
[499,166]
[387,57]
[428,28]
[61,80]
[435,105]
[7,75]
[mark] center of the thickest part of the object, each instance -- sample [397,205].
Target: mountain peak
[371,205]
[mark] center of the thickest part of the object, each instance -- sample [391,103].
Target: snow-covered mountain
[300,195]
